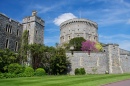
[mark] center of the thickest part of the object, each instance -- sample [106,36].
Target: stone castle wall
[78,28]
[125,63]
[10,33]
[79,59]
[110,60]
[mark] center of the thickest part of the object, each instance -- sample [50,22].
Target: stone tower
[35,27]
[78,28]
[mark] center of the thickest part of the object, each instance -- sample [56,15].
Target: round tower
[78,28]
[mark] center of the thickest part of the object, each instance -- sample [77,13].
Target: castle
[112,60]
[11,31]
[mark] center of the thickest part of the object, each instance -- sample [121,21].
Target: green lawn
[84,80]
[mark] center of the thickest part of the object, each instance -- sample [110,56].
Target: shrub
[9,75]
[21,75]
[77,71]
[15,68]
[82,71]
[40,72]
[29,71]
[1,75]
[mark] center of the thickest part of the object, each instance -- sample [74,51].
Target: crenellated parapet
[78,28]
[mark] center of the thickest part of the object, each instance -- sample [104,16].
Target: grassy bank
[84,80]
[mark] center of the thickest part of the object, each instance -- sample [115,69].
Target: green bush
[9,75]
[77,71]
[21,75]
[82,71]
[40,72]
[29,72]
[1,75]
[15,68]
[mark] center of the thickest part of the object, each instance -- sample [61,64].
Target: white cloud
[63,17]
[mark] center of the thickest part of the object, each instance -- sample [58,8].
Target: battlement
[3,16]
[70,21]
[33,18]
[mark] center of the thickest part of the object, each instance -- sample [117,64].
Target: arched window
[17,32]
[7,28]
[7,43]
[16,46]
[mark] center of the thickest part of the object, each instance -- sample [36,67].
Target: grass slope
[86,80]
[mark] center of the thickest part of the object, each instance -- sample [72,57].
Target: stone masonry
[110,60]
[35,27]
[78,28]
[10,33]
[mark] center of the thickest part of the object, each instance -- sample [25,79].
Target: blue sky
[112,16]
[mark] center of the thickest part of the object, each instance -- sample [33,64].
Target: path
[120,83]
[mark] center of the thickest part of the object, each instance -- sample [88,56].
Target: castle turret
[78,28]
[35,27]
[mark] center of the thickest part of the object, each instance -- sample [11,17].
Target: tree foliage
[24,48]
[6,57]
[98,46]
[37,53]
[59,62]
[76,43]
[88,46]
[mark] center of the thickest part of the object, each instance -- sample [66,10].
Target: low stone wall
[94,61]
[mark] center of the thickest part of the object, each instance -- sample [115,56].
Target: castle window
[104,51]
[16,46]
[6,27]
[7,43]
[36,31]
[10,30]
[17,32]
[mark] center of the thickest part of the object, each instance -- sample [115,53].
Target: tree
[88,46]
[6,57]
[98,46]
[66,46]
[76,43]
[24,48]
[37,53]
[59,62]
